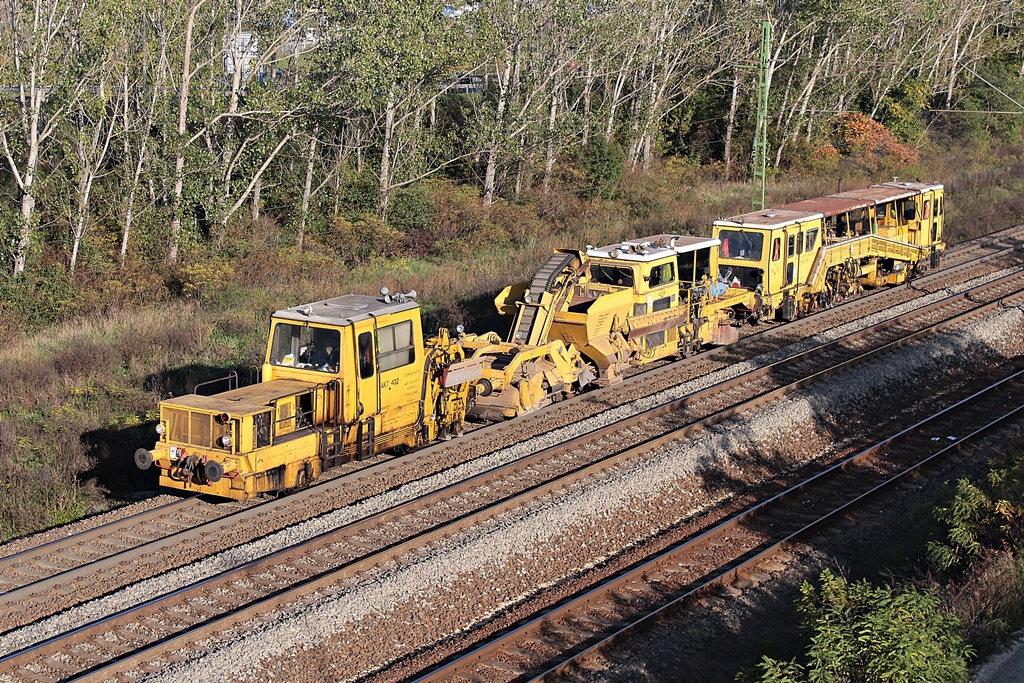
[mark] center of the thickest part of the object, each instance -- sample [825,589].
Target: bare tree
[38,62]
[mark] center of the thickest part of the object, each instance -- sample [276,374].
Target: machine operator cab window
[741,257]
[693,266]
[305,347]
[741,244]
[612,274]
[663,274]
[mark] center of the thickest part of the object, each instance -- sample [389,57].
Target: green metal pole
[761,135]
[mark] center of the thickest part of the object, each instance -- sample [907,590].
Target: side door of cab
[926,236]
[367,400]
[811,238]
[775,277]
[400,363]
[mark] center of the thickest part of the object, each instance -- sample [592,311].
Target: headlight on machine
[160,429]
[224,441]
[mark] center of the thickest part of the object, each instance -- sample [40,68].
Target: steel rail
[292,593]
[66,541]
[790,541]
[726,574]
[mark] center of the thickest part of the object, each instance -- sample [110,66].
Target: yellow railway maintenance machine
[343,379]
[529,370]
[794,259]
[625,304]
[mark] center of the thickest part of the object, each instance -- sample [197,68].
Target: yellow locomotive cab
[343,379]
[811,254]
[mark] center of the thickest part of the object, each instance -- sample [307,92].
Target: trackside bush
[604,163]
[987,513]
[863,633]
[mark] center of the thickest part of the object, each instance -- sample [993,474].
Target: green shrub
[982,514]
[902,110]
[604,164]
[861,633]
[411,210]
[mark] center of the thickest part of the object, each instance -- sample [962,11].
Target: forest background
[174,171]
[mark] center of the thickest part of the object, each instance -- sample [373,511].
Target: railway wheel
[303,477]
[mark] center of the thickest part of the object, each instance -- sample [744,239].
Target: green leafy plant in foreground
[988,513]
[862,633]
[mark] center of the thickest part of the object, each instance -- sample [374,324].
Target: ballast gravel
[151,588]
[36,540]
[395,611]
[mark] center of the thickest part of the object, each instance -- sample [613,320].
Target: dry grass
[77,399]
[989,599]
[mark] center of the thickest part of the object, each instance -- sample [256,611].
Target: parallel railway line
[736,552]
[108,556]
[290,576]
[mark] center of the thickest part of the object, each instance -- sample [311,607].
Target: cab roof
[878,194]
[827,206]
[770,219]
[645,249]
[830,206]
[347,309]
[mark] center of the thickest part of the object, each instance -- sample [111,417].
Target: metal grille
[201,429]
[284,417]
[177,424]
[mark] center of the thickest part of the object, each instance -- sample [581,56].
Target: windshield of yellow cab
[304,346]
[609,274]
[740,244]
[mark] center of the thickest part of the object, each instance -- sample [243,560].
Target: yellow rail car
[349,377]
[628,303]
[342,379]
[796,258]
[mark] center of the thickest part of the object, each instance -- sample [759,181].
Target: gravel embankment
[463,583]
[171,580]
[881,541]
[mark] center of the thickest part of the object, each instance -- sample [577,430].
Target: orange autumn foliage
[858,135]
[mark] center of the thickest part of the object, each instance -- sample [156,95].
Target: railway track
[144,638]
[732,555]
[97,561]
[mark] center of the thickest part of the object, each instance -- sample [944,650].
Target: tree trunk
[549,162]
[306,191]
[28,204]
[179,160]
[588,86]
[734,105]
[28,197]
[385,156]
[491,172]
[257,189]
[130,203]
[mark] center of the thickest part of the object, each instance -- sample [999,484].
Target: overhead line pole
[761,134]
